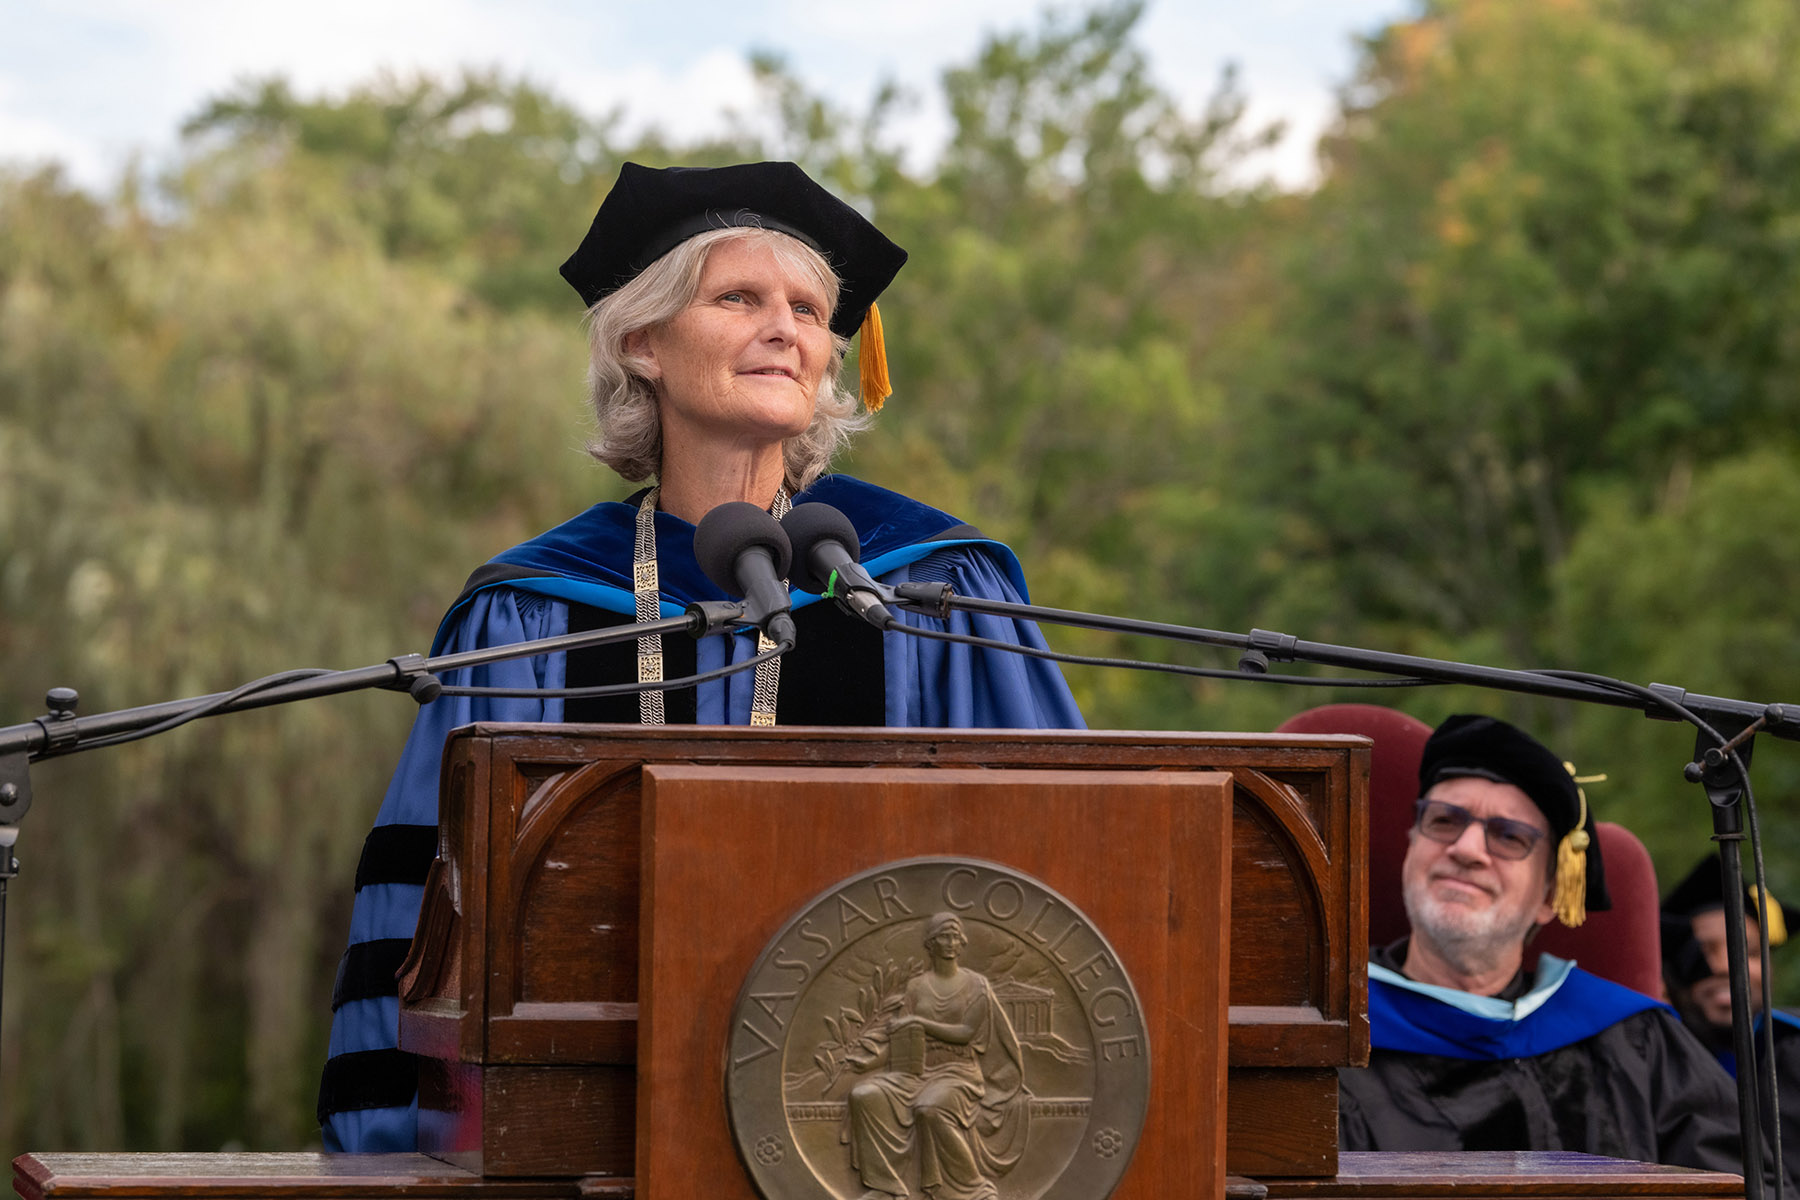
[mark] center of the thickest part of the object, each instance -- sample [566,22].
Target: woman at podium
[721,303]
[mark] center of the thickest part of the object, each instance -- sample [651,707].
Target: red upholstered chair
[1393,789]
[1624,944]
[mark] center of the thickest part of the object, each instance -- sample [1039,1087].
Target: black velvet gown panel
[833,676]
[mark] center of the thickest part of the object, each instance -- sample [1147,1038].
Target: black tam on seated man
[1473,1052]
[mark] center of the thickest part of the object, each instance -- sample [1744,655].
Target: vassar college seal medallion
[937,1026]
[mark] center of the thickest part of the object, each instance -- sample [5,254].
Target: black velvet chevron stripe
[396,854]
[367,969]
[367,1079]
[492,573]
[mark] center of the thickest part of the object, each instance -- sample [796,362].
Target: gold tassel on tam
[1777,927]
[1571,878]
[1570,900]
[871,363]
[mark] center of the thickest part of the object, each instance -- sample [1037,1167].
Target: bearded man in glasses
[1473,1052]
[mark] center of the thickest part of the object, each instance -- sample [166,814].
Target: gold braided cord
[646,589]
[646,592]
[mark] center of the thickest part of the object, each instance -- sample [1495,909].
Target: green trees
[1074,265]
[236,441]
[469,176]
[1515,383]
[1534,332]
[1544,261]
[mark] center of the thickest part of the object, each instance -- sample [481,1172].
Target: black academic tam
[652,210]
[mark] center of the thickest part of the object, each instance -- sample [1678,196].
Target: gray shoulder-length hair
[624,399]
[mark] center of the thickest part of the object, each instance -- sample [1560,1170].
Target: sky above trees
[92,82]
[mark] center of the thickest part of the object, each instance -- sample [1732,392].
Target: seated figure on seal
[953,1089]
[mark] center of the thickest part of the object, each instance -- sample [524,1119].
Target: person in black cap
[721,304]
[1472,1052]
[1695,972]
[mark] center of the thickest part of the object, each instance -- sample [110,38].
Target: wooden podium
[601,892]
[583,938]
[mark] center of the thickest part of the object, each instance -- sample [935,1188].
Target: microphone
[825,552]
[746,552]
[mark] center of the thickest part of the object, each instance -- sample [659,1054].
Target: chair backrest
[1623,944]
[1393,788]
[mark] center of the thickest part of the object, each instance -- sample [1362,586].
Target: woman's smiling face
[744,360]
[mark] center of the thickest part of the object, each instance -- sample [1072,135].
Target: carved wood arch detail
[558,805]
[1279,816]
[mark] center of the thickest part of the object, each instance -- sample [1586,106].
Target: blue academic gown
[1562,1060]
[368,1096]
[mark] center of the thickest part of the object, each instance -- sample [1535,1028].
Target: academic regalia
[1559,1060]
[1685,964]
[578,575]
[1787,1080]
[1787,1077]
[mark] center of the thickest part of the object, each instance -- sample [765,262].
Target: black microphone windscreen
[806,526]
[730,529]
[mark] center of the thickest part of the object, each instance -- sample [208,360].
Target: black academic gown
[1643,1088]
[1787,1072]
[1787,1079]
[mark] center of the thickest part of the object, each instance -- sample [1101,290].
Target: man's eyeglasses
[1506,838]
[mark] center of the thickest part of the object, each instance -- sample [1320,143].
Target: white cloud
[27,140]
[685,103]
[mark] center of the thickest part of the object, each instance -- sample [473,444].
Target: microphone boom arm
[1261,646]
[61,732]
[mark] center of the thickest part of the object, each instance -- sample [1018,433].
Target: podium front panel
[731,853]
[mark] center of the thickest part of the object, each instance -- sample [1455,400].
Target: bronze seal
[937,1025]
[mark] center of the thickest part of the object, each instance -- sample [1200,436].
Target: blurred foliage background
[1516,383]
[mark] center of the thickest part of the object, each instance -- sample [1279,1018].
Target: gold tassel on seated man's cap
[871,362]
[1570,900]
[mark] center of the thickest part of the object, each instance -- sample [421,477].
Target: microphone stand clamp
[15,793]
[411,677]
[59,729]
[711,616]
[1264,647]
[59,723]
[932,599]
